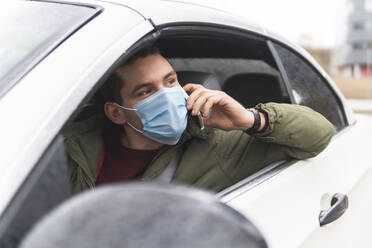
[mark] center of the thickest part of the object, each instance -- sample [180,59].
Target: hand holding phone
[228,114]
[197,118]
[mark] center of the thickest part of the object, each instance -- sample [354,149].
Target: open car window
[249,81]
[241,62]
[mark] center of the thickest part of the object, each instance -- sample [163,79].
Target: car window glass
[242,62]
[223,68]
[40,27]
[310,88]
[247,80]
[45,187]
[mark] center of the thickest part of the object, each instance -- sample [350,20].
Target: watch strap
[256,123]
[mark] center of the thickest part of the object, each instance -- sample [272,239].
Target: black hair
[112,87]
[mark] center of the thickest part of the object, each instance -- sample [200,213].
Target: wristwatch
[256,123]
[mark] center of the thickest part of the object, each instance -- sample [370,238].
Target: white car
[55,55]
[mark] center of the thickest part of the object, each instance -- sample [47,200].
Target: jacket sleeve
[302,130]
[294,131]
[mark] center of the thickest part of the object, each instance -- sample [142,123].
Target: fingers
[208,106]
[196,91]
[191,87]
[193,97]
[200,101]
[200,97]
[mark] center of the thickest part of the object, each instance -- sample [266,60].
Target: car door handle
[339,204]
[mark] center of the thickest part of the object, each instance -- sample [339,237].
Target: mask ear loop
[141,132]
[117,104]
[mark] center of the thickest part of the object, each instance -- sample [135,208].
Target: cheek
[133,118]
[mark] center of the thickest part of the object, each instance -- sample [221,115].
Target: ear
[114,113]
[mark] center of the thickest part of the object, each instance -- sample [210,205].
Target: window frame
[178,28]
[273,169]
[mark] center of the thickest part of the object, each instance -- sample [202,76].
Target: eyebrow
[141,85]
[171,73]
[146,84]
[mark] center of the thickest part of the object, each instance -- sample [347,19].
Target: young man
[149,124]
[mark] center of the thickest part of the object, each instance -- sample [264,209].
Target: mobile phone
[197,118]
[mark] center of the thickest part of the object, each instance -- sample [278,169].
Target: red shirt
[119,162]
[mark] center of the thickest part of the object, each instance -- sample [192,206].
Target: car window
[40,27]
[310,88]
[249,81]
[45,187]
[224,68]
[241,61]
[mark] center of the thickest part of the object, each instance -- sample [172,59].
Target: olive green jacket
[213,159]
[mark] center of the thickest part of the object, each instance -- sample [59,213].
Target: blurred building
[323,56]
[356,60]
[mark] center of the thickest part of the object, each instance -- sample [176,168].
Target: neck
[135,140]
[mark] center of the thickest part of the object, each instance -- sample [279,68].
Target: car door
[285,199]
[44,93]
[286,204]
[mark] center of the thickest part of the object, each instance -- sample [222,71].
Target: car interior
[243,66]
[235,62]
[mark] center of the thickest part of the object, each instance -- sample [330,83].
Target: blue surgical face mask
[163,115]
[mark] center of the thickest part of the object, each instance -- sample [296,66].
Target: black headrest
[144,215]
[253,88]
[208,80]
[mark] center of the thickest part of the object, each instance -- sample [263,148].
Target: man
[149,124]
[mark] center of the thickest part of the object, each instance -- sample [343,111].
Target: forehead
[149,69]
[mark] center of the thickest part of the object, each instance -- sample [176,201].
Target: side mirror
[144,215]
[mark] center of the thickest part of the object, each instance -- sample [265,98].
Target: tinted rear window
[30,30]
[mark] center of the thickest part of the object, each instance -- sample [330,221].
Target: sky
[316,23]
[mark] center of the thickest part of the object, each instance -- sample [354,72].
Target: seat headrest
[208,80]
[252,88]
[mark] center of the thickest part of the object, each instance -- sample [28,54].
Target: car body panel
[353,230]
[286,207]
[165,12]
[38,116]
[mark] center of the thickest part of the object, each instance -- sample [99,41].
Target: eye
[171,81]
[144,92]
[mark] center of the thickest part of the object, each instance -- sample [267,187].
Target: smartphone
[197,118]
